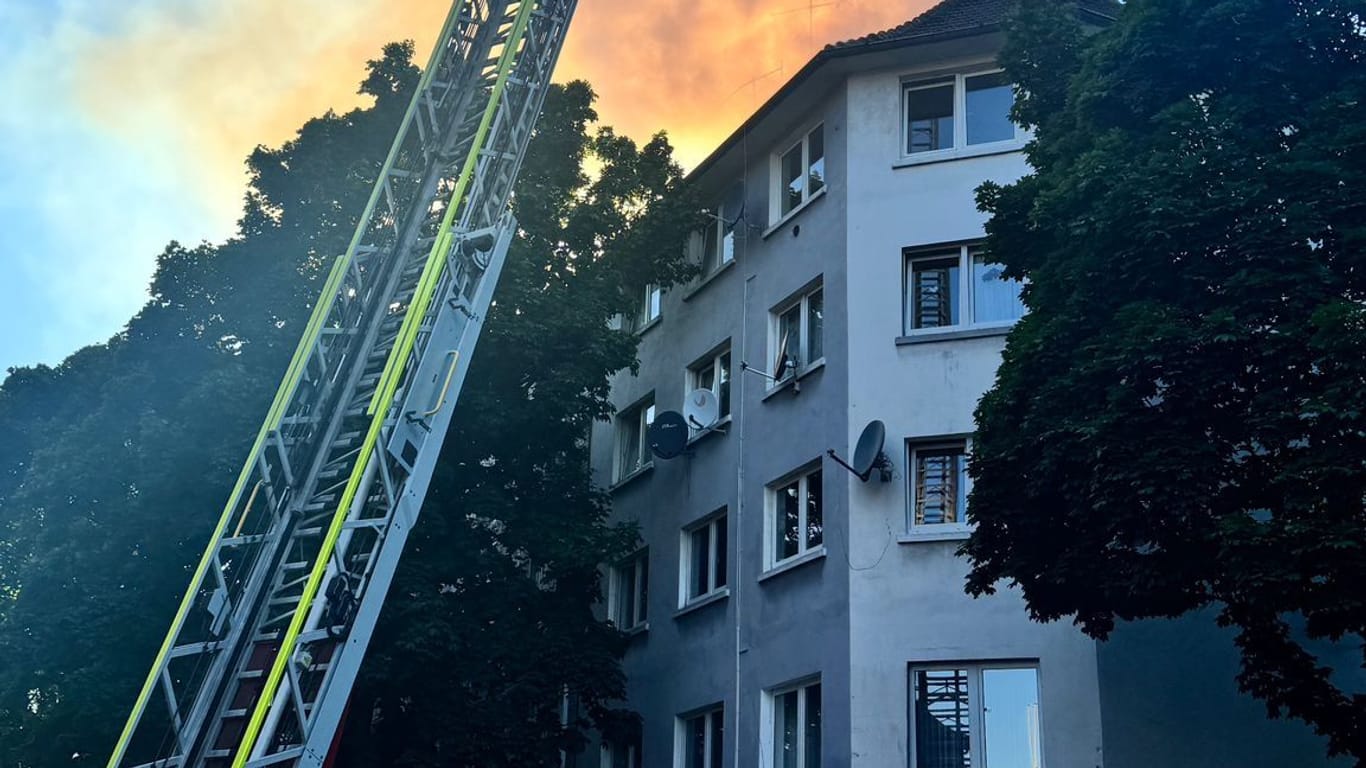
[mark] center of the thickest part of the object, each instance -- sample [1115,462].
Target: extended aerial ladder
[259,662]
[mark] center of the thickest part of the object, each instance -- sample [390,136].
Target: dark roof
[955,17]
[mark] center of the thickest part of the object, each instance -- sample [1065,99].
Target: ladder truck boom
[259,662]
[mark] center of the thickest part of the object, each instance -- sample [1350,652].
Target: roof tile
[953,17]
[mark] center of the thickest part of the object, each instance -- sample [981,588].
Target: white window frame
[964,296]
[717,557]
[768,743]
[976,707]
[633,419]
[778,190]
[694,381]
[630,579]
[960,529]
[681,734]
[960,147]
[802,300]
[772,510]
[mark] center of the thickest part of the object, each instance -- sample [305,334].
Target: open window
[633,441]
[797,333]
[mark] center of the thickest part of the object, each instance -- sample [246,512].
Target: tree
[1180,420]
[497,588]
[113,464]
[115,461]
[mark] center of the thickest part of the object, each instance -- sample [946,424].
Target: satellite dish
[868,454]
[669,435]
[701,409]
[869,448]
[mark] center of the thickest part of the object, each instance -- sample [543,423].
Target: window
[704,558]
[716,243]
[627,755]
[975,716]
[959,111]
[647,308]
[629,591]
[957,286]
[939,485]
[797,523]
[633,440]
[798,333]
[713,373]
[797,727]
[801,172]
[702,739]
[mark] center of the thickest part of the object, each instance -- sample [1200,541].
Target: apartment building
[786,613]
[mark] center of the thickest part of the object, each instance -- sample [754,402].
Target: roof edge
[823,57]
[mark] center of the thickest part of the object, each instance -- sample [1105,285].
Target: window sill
[656,321]
[645,470]
[707,279]
[702,602]
[788,382]
[953,334]
[637,630]
[713,429]
[809,556]
[792,214]
[951,533]
[950,155]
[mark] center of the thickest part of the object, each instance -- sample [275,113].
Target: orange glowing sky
[135,117]
[242,72]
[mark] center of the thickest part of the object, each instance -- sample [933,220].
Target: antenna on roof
[811,6]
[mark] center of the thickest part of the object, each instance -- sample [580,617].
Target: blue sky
[125,123]
[73,263]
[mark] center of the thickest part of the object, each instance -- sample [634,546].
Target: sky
[125,125]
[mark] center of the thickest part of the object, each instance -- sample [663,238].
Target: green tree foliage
[114,464]
[1180,421]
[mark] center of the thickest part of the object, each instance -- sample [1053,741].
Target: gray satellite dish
[868,454]
[701,408]
[668,435]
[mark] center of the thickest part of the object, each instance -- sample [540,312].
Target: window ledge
[950,155]
[713,429]
[707,279]
[809,556]
[656,321]
[792,214]
[801,374]
[637,630]
[645,470]
[702,602]
[953,334]
[954,533]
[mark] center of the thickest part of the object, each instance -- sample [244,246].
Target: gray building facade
[785,613]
